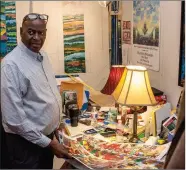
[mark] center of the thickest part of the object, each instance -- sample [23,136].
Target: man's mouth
[36,45]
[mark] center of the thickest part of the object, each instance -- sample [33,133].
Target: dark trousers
[4,163]
[26,155]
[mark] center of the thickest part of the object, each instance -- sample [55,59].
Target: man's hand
[59,150]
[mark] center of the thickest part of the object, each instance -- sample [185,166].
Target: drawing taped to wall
[74,47]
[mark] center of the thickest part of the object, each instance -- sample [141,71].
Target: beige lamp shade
[134,88]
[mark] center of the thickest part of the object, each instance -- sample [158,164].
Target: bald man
[30,100]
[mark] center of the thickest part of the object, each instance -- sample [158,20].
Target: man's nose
[36,36]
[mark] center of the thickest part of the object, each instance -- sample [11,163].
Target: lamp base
[134,139]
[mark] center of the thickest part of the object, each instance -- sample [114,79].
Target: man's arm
[13,87]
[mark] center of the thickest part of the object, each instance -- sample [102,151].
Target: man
[30,101]
[176,155]
[3,157]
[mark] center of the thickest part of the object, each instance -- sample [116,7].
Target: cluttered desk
[104,143]
[135,133]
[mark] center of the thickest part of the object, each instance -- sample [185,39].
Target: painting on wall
[181,79]
[74,45]
[146,22]
[146,37]
[8,27]
[3,31]
[10,12]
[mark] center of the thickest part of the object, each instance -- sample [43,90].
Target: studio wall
[95,30]
[166,79]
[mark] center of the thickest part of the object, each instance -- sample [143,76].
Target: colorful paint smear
[8,27]
[146,22]
[74,47]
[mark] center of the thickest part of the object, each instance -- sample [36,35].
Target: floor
[58,162]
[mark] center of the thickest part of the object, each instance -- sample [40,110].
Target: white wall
[95,29]
[167,77]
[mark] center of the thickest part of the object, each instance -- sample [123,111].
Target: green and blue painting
[74,46]
[8,27]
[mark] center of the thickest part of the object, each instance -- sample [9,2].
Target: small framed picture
[126,35]
[128,25]
[124,25]
[170,124]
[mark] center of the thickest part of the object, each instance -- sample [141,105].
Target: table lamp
[134,90]
[116,72]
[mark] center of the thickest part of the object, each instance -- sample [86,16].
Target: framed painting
[181,77]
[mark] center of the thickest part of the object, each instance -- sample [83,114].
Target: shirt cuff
[44,141]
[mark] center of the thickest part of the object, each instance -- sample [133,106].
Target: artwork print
[74,45]
[146,22]
[181,78]
[126,32]
[146,34]
[3,31]
[8,27]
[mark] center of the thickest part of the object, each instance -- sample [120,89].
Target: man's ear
[21,31]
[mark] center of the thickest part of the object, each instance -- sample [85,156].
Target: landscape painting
[3,22]
[74,44]
[8,27]
[146,22]
[10,12]
[3,30]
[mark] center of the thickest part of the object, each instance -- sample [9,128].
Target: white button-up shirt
[30,100]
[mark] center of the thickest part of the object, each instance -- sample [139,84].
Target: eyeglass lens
[35,16]
[44,17]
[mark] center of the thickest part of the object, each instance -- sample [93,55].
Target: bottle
[148,128]
[119,131]
[94,116]
[124,115]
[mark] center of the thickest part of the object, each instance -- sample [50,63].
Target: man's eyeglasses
[34,16]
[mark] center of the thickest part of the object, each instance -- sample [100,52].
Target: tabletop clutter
[99,137]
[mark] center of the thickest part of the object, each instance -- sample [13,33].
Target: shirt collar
[37,56]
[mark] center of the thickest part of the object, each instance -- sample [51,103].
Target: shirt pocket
[39,80]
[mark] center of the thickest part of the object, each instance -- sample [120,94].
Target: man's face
[33,34]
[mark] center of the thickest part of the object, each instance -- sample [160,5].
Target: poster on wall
[181,79]
[126,32]
[146,37]
[8,27]
[74,45]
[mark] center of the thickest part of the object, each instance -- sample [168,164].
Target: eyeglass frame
[38,17]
